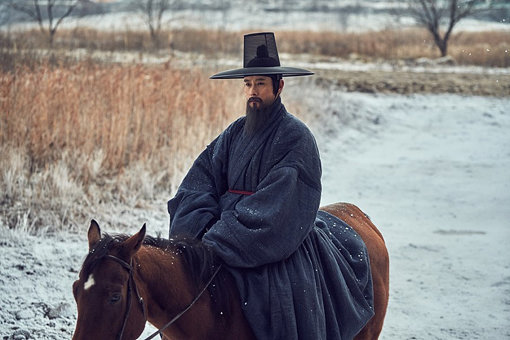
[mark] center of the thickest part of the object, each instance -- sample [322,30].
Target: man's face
[259,92]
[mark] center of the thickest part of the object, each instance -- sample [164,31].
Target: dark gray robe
[254,199]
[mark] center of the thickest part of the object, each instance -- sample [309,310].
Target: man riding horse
[253,196]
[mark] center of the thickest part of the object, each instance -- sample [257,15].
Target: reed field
[77,133]
[486,48]
[83,134]
[466,48]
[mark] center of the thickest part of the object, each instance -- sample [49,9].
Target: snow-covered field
[430,170]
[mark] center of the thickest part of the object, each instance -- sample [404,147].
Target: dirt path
[401,82]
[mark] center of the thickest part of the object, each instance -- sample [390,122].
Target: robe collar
[248,145]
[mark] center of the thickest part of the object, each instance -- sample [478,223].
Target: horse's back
[379,261]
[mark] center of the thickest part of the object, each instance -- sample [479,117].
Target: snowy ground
[430,170]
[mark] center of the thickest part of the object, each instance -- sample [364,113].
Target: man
[253,197]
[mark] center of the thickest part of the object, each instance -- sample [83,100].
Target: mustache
[255,99]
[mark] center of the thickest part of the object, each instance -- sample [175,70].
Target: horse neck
[163,283]
[168,290]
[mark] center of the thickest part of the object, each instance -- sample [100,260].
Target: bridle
[132,285]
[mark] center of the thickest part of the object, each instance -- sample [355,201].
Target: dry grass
[491,48]
[481,48]
[128,111]
[202,41]
[88,133]
[468,48]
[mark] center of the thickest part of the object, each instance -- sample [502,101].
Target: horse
[126,281]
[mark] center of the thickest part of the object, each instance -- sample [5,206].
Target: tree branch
[66,14]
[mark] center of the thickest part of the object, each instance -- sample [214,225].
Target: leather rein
[132,286]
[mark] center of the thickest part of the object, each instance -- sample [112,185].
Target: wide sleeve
[195,205]
[269,225]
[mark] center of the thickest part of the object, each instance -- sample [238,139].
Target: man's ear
[280,87]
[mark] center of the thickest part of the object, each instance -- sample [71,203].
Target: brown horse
[126,281]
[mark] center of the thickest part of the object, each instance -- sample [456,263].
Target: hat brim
[255,71]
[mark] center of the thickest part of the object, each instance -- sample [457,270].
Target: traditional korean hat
[261,58]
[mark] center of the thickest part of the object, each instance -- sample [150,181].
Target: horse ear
[94,234]
[132,244]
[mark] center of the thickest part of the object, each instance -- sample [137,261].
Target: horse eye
[114,298]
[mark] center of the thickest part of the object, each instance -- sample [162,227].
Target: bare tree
[34,9]
[436,14]
[152,14]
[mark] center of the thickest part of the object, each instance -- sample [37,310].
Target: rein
[159,331]
[132,283]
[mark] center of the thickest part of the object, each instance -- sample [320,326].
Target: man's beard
[256,116]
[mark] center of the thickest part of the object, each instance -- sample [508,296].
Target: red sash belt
[241,192]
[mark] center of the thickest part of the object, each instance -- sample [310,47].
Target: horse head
[108,301]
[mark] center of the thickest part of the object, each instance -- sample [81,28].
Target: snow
[430,170]
[339,18]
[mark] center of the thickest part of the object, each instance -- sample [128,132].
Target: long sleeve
[269,225]
[196,205]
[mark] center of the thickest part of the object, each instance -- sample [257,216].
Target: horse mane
[100,250]
[199,261]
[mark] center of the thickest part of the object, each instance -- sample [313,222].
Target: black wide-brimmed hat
[261,58]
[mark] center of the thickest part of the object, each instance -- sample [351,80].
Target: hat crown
[261,58]
[260,50]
